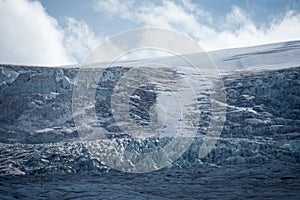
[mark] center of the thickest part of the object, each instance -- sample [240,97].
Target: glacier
[260,138]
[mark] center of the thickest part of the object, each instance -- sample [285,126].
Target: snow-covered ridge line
[268,56]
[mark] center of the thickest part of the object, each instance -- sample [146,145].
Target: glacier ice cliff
[38,134]
[256,157]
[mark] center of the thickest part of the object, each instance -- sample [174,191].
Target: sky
[63,32]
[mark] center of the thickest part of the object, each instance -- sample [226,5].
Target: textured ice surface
[257,156]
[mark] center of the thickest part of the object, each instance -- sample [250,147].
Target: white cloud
[30,36]
[79,40]
[246,33]
[236,30]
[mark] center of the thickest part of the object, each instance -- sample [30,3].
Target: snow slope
[269,56]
